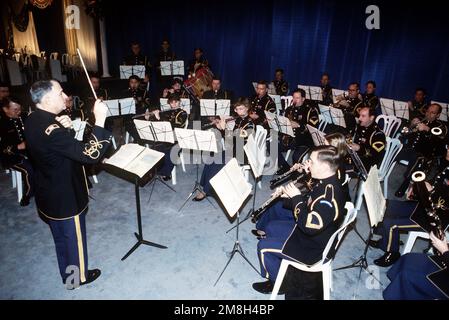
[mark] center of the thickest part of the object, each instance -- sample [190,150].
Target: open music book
[277,101]
[333,115]
[231,187]
[128,71]
[185,104]
[135,159]
[208,107]
[318,137]
[196,140]
[279,123]
[79,127]
[160,131]
[172,68]
[394,108]
[375,201]
[121,107]
[256,157]
[312,92]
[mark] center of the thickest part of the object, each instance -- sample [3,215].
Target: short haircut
[356,84]
[9,100]
[199,49]
[328,155]
[94,75]
[39,89]
[134,77]
[216,78]
[300,91]
[371,111]
[242,101]
[440,108]
[279,70]
[325,74]
[371,82]
[262,82]
[135,43]
[421,89]
[3,84]
[173,97]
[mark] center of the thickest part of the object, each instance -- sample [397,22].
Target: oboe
[289,175]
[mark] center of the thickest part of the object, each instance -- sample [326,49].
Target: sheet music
[196,140]
[271,88]
[332,115]
[401,109]
[135,159]
[79,127]
[160,131]
[208,107]
[128,71]
[185,104]
[337,92]
[279,123]
[444,111]
[318,137]
[315,93]
[127,106]
[256,157]
[375,201]
[113,108]
[387,106]
[231,187]
[172,68]
[277,100]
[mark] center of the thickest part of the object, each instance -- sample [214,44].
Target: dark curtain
[246,40]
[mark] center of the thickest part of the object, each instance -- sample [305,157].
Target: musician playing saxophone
[301,113]
[317,215]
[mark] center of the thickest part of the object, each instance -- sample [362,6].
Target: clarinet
[291,174]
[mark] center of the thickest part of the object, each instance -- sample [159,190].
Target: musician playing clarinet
[317,215]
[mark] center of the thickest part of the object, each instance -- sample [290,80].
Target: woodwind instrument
[288,176]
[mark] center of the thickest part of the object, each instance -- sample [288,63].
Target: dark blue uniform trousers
[396,219]
[269,250]
[209,171]
[408,279]
[71,245]
[273,213]
[26,169]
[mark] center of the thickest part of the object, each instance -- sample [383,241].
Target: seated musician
[89,99]
[165,54]
[13,145]
[261,99]
[243,127]
[318,214]
[350,105]
[369,140]
[421,147]
[176,88]
[409,276]
[136,57]
[369,98]
[197,62]
[4,95]
[217,93]
[301,113]
[397,219]
[280,210]
[279,83]
[177,117]
[418,106]
[326,89]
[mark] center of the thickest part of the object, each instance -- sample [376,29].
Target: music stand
[172,68]
[332,115]
[315,93]
[135,163]
[215,107]
[318,137]
[200,141]
[155,131]
[376,204]
[128,71]
[401,109]
[121,107]
[233,190]
[277,101]
[280,123]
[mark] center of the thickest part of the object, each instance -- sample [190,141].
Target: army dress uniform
[372,142]
[61,186]
[265,103]
[327,95]
[418,109]
[317,215]
[281,87]
[12,133]
[370,100]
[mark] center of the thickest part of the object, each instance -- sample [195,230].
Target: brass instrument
[413,129]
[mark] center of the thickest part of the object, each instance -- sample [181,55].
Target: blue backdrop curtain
[246,40]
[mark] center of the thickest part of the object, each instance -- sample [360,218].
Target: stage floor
[195,237]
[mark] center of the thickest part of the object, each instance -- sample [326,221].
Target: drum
[200,82]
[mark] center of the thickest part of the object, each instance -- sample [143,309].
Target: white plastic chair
[413,236]
[394,146]
[17,183]
[391,124]
[322,124]
[325,264]
[286,101]
[181,157]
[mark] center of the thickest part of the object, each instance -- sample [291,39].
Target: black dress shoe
[25,201]
[374,243]
[266,287]
[281,170]
[198,199]
[388,259]
[257,234]
[92,275]
[166,178]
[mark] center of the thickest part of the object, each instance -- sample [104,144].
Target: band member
[410,275]
[398,219]
[242,128]
[197,62]
[61,192]
[318,215]
[138,58]
[350,105]
[13,146]
[261,99]
[418,105]
[177,117]
[4,94]
[217,93]
[165,54]
[369,140]
[176,87]
[301,113]
[279,83]
[326,89]
[421,146]
[89,98]
[369,98]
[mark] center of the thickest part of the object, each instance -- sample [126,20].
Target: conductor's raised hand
[100,112]
[65,121]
